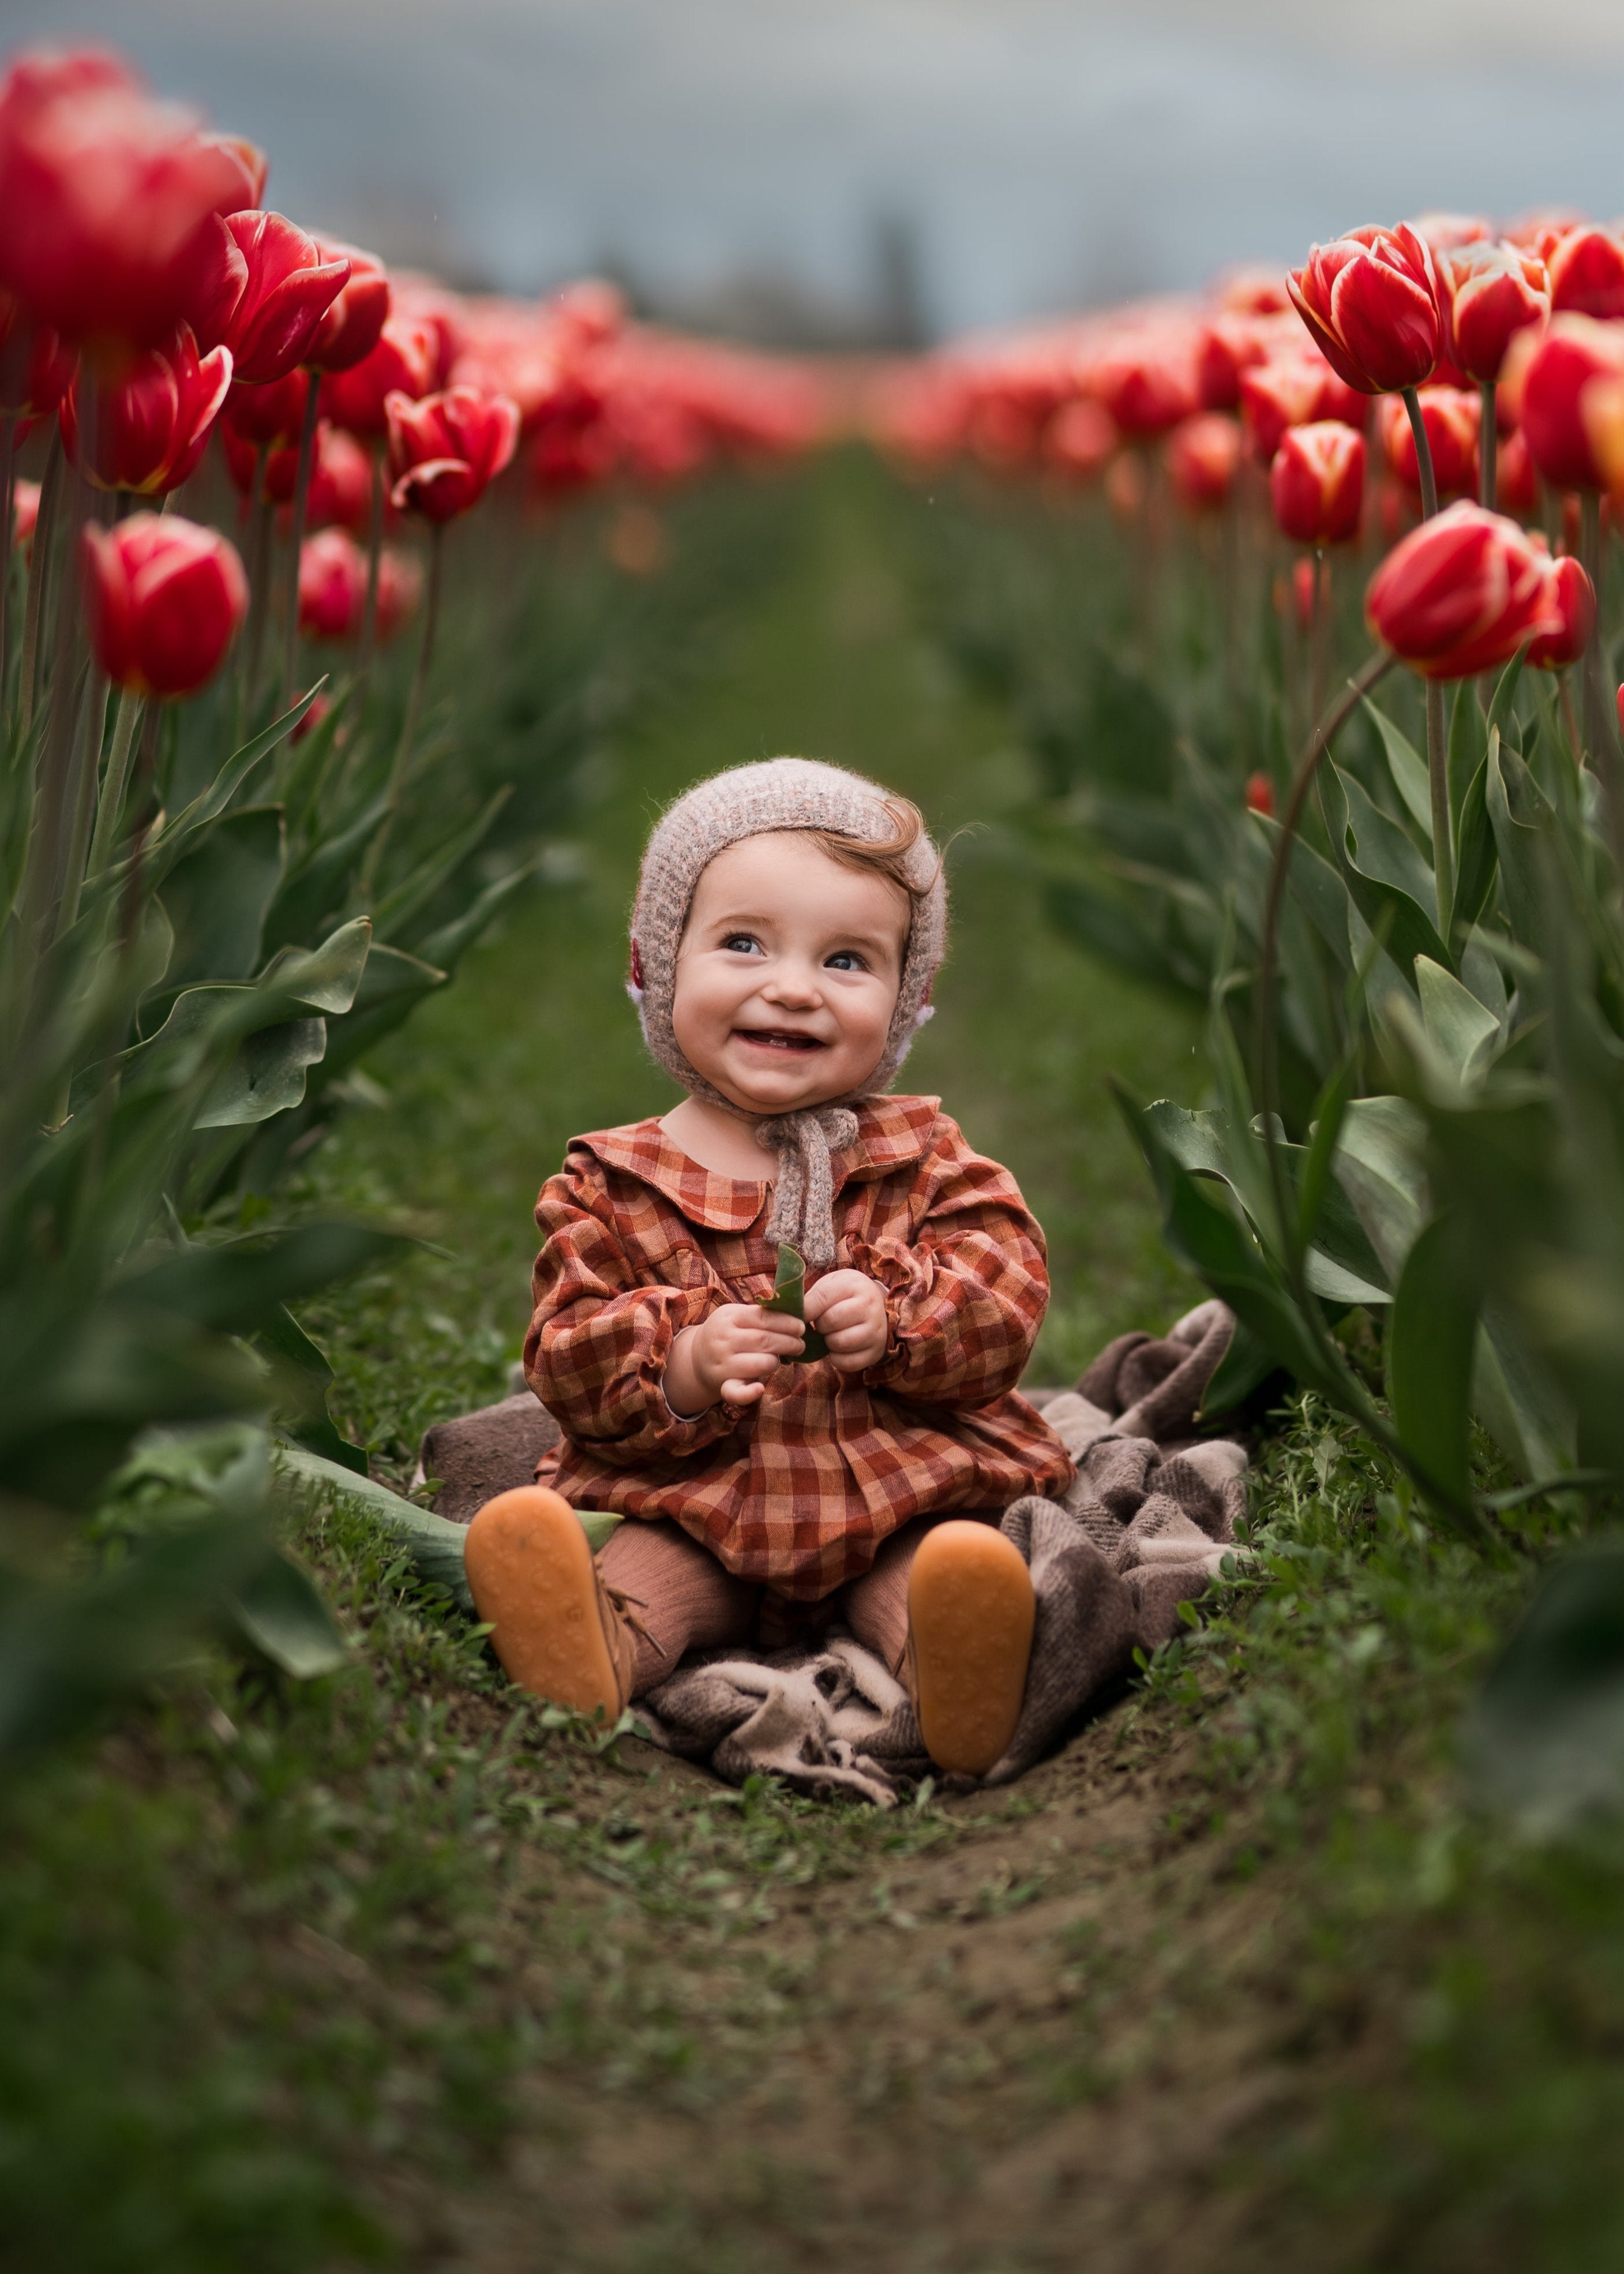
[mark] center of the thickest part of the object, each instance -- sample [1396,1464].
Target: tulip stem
[259,577]
[39,565]
[1443,825]
[300,507]
[373,861]
[375,559]
[8,463]
[87,767]
[1600,732]
[1488,445]
[1424,454]
[1320,664]
[110,810]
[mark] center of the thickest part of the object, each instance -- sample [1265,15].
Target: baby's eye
[847,959]
[741,943]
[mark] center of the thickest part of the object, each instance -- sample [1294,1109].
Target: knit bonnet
[752,801]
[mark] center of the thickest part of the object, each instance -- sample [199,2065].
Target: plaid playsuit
[798,1491]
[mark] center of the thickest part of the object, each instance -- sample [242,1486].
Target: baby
[789,921]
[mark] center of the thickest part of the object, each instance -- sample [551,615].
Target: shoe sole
[531,1572]
[970,1615]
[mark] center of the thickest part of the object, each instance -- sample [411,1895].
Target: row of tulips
[223,875]
[1409,936]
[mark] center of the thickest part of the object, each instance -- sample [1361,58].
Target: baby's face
[787,973]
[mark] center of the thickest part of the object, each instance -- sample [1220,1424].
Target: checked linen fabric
[798,1491]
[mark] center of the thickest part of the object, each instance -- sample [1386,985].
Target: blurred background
[882,172]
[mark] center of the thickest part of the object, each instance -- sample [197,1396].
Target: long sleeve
[601,1334]
[966,1295]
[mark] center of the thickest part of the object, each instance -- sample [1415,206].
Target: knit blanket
[1147,1525]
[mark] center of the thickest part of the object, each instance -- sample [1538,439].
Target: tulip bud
[1202,456]
[1574,355]
[1451,418]
[264,415]
[353,326]
[1370,301]
[1260,794]
[1462,594]
[1317,483]
[1488,294]
[1080,438]
[445,451]
[165,600]
[1293,390]
[1304,592]
[1587,273]
[288,290]
[144,426]
[1572,596]
[333,572]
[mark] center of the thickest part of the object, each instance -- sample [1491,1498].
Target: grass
[398,1967]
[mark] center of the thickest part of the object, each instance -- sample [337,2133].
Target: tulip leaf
[1431,1339]
[391,983]
[1502,710]
[396,909]
[1517,809]
[789,1287]
[217,894]
[1408,769]
[1475,855]
[309,1377]
[1457,1024]
[279,1610]
[1468,744]
[1518,1401]
[327,977]
[266,1075]
[1379,1164]
[1388,879]
[445,948]
[167,847]
[1545,1738]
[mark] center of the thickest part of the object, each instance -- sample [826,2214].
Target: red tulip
[1253,291]
[1488,294]
[1573,357]
[340,481]
[144,427]
[166,599]
[1451,418]
[1229,344]
[354,324]
[333,587]
[1294,391]
[106,200]
[445,451]
[25,512]
[252,168]
[34,366]
[1317,483]
[1370,301]
[266,414]
[1462,594]
[287,290]
[1202,456]
[1260,789]
[1146,384]
[1587,273]
[1514,486]
[402,363]
[1571,595]
[1079,438]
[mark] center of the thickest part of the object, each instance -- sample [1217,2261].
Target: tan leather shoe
[532,1575]
[970,1615]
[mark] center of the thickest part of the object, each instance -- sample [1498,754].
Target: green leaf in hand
[789,1295]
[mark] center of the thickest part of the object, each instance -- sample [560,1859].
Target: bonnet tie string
[802,1214]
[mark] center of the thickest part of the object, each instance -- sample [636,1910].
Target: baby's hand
[733,1354]
[849,1311]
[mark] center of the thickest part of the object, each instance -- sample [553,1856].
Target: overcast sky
[1042,152]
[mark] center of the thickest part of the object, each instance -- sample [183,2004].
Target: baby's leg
[876,1605]
[684,1598]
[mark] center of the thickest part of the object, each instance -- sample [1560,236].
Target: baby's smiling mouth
[779,1038]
